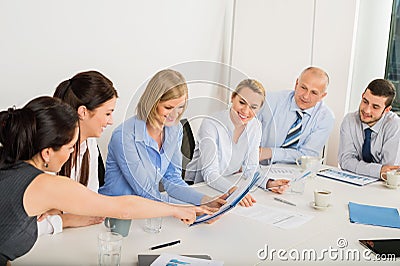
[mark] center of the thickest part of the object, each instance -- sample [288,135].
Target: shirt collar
[140,131]
[295,108]
[377,127]
[82,148]
[141,135]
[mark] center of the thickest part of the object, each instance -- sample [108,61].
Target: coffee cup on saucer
[393,179]
[322,199]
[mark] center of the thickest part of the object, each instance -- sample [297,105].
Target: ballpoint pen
[301,177]
[284,201]
[166,245]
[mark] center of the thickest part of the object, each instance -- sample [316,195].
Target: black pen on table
[284,201]
[166,244]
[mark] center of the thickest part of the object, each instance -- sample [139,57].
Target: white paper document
[166,259]
[277,217]
[278,172]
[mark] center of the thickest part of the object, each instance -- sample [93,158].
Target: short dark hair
[382,88]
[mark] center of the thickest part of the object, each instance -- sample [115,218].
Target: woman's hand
[278,186]
[48,213]
[247,201]
[73,220]
[216,202]
[188,214]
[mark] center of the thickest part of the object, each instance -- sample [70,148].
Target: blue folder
[228,207]
[374,215]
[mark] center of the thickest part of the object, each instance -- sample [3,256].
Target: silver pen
[284,201]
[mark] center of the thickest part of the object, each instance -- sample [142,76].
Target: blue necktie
[366,148]
[293,135]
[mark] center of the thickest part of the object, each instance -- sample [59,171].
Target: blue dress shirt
[278,115]
[135,165]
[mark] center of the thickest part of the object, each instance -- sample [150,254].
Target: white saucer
[390,186]
[312,204]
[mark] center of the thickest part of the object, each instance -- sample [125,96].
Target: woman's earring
[46,165]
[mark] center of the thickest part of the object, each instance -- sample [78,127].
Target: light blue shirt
[217,156]
[385,144]
[135,165]
[278,115]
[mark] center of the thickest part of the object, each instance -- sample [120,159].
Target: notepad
[348,177]
[374,215]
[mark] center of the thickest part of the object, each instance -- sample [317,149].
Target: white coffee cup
[311,163]
[393,178]
[322,197]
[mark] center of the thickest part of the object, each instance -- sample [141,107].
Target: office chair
[188,145]
[100,169]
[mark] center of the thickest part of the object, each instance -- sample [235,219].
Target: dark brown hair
[90,89]
[382,88]
[45,122]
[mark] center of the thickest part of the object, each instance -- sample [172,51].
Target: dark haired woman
[33,142]
[93,96]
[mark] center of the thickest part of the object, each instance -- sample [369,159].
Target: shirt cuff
[56,222]
[263,183]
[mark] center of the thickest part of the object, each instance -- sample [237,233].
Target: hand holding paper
[231,201]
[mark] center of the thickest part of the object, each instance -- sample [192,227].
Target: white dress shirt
[217,156]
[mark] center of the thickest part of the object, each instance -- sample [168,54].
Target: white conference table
[235,239]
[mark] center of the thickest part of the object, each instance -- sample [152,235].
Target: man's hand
[278,186]
[387,168]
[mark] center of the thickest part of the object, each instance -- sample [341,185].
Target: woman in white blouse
[228,143]
[93,96]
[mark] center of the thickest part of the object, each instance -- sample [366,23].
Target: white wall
[272,41]
[371,46]
[334,38]
[44,42]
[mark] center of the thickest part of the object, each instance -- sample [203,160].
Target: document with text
[277,217]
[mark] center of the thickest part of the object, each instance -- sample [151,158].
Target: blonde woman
[145,149]
[228,141]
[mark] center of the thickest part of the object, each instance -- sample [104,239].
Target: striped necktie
[293,135]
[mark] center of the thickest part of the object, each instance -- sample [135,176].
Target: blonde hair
[253,85]
[166,85]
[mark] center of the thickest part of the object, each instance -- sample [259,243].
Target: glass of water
[109,245]
[153,225]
